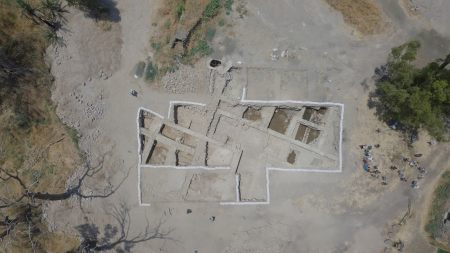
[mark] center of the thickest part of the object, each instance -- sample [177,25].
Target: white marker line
[184,167]
[243,101]
[240,203]
[139,155]
[139,152]
[267,186]
[329,104]
[305,170]
[173,103]
[341,129]
[243,203]
[152,112]
[238,189]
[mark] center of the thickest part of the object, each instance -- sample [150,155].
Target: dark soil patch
[291,157]
[252,114]
[280,120]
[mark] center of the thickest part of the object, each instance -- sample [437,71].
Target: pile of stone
[184,80]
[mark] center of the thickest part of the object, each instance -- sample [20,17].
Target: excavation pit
[323,110]
[158,154]
[183,158]
[252,114]
[313,135]
[188,140]
[149,122]
[171,132]
[187,116]
[291,157]
[306,134]
[280,120]
[244,141]
[308,113]
[301,130]
[318,115]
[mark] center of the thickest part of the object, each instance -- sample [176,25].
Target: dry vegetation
[32,138]
[194,18]
[364,15]
[435,227]
[38,153]
[33,141]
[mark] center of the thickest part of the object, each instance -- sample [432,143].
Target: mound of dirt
[364,15]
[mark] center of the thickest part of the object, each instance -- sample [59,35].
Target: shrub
[156,46]
[22,120]
[202,48]
[437,209]
[241,9]
[151,71]
[211,9]
[167,24]
[73,133]
[210,32]
[52,37]
[228,6]
[179,9]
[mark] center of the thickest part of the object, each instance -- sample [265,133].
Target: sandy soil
[346,212]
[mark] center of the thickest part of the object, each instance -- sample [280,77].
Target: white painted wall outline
[268,170]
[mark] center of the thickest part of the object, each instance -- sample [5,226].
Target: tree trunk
[52,196]
[445,63]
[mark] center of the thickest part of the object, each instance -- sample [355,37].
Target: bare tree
[117,236]
[20,210]
[48,12]
[73,190]
[24,227]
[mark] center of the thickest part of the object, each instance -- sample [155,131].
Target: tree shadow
[373,102]
[113,12]
[117,236]
[365,85]
[380,75]
[103,10]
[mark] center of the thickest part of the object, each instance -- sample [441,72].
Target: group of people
[375,172]
[367,159]
[420,170]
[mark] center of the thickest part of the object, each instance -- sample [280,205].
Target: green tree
[414,97]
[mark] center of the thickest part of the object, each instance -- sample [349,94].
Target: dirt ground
[309,212]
